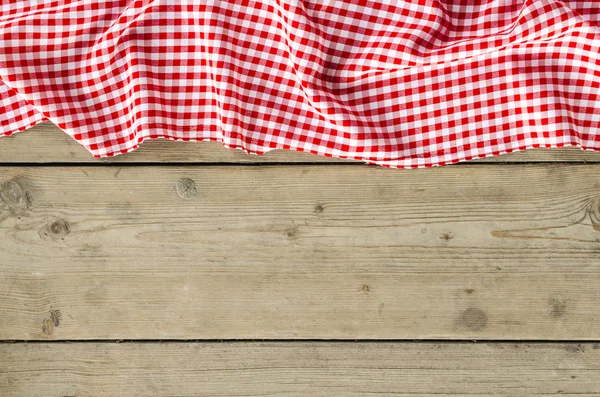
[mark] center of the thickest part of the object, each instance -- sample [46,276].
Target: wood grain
[296,252]
[299,369]
[45,143]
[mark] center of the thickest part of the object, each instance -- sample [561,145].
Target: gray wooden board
[299,369]
[297,252]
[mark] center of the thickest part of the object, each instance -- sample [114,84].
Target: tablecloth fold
[404,84]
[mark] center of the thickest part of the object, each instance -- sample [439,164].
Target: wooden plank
[45,143]
[299,369]
[294,252]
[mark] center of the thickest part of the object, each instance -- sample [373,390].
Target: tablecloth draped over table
[399,83]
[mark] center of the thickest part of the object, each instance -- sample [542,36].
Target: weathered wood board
[300,252]
[299,369]
[45,143]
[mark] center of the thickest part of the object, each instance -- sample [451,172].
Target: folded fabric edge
[19,115]
[409,162]
[400,163]
[24,127]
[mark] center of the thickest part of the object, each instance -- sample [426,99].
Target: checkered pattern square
[398,83]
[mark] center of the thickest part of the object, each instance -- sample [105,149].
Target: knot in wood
[59,227]
[55,230]
[13,194]
[186,188]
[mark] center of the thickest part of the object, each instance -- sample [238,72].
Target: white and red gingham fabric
[399,83]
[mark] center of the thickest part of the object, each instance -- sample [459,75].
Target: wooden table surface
[188,269]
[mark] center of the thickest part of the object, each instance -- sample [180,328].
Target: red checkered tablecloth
[399,83]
